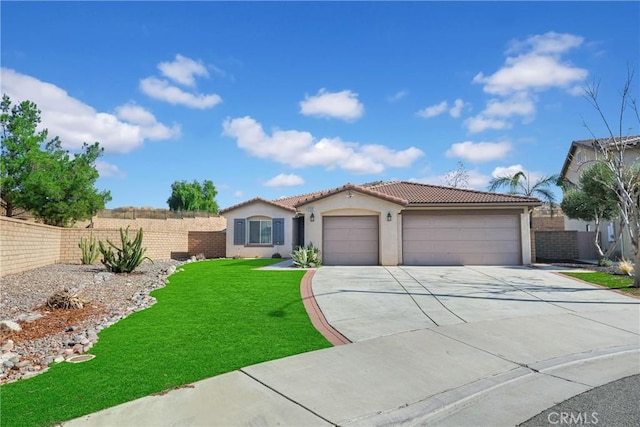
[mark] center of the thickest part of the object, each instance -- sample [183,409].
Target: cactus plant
[89,248]
[126,258]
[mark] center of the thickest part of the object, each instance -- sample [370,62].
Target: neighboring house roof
[633,140]
[403,193]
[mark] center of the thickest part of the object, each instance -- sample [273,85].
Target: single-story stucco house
[391,223]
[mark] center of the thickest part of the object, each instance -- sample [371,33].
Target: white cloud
[163,91]
[76,122]
[532,65]
[479,124]
[548,43]
[238,194]
[433,110]
[107,170]
[182,70]
[300,149]
[537,66]
[149,126]
[456,110]
[342,105]
[508,171]
[517,105]
[479,151]
[284,180]
[441,108]
[398,96]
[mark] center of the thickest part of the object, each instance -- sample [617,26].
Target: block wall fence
[556,245]
[27,245]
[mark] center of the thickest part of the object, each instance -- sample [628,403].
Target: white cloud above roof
[76,122]
[532,65]
[342,105]
[479,152]
[183,70]
[299,149]
[284,180]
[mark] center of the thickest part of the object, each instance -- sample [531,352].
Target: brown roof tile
[256,200]
[425,194]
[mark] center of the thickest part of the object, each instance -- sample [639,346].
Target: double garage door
[461,239]
[443,238]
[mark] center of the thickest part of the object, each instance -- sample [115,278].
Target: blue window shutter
[239,232]
[278,231]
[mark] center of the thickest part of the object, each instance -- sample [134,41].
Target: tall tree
[593,199]
[520,184]
[41,177]
[625,168]
[193,196]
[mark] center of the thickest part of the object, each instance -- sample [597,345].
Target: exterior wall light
[388,216]
[312,217]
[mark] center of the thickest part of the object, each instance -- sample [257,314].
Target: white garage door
[457,239]
[350,240]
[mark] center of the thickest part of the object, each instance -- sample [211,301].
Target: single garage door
[350,240]
[458,239]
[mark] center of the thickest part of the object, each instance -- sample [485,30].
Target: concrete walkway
[432,346]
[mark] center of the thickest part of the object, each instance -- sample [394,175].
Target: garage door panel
[350,240]
[461,239]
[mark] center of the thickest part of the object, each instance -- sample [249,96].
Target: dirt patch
[51,322]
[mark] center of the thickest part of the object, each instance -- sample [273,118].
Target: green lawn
[622,283]
[215,317]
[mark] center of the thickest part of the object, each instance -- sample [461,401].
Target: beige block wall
[27,245]
[160,245]
[216,223]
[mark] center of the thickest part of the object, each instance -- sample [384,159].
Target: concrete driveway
[461,346]
[369,302]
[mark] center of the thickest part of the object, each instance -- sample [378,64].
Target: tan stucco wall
[259,209]
[341,205]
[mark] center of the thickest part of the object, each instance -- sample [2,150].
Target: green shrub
[308,257]
[89,248]
[605,262]
[126,258]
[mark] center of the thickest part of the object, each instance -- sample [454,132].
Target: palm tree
[520,184]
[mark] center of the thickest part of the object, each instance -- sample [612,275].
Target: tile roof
[425,194]
[256,200]
[403,193]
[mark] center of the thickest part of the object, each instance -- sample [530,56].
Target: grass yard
[215,317]
[621,283]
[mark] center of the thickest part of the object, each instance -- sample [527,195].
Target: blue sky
[280,98]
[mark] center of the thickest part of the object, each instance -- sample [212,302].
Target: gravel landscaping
[49,336]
